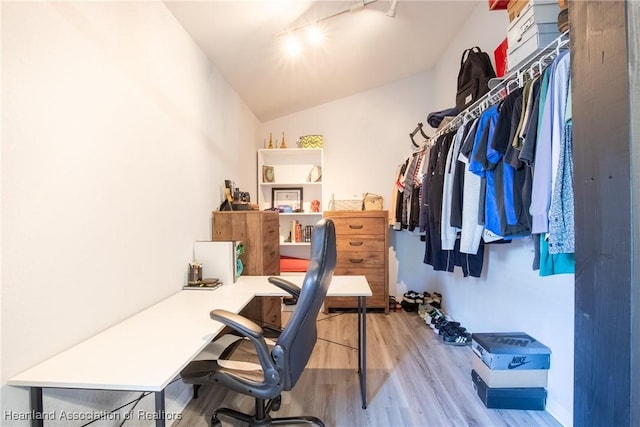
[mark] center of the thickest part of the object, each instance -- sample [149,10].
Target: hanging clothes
[483,162]
[472,229]
[552,109]
[435,255]
[561,212]
[510,180]
[506,174]
[449,232]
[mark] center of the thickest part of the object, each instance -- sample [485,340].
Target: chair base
[261,417]
[267,421]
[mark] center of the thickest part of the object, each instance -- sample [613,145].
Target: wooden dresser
[258,232]
[363,249]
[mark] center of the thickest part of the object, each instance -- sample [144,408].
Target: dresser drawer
[360,243]
[375,301]
[359,225]
[372,274]
[358,259]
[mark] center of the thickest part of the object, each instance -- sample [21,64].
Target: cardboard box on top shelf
[515,7]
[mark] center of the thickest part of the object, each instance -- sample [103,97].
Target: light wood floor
[413,379]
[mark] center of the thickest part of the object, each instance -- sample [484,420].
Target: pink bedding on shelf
[291,264]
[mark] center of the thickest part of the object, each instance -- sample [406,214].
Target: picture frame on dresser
[290,196]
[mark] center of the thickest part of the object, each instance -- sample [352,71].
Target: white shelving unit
[292,169]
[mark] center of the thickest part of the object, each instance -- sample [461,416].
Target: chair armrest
[239,323]
[286,285]
[250,330]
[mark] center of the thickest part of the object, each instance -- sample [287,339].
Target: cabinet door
[258,233]
[271,246]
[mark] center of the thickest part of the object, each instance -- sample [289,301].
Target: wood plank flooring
[413,379]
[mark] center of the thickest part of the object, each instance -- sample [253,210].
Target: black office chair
[264,370]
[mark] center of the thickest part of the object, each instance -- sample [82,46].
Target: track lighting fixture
[313,32]
[393,4]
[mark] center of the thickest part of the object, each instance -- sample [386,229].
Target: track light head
[393,4]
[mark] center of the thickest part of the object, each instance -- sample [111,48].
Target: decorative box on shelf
[311,141]
[353,203]
[515,7]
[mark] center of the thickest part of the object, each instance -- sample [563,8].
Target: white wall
[117,133]
[363,135]
[366,137]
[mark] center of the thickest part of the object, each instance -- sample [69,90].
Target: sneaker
[422,310]
[461,339]
[392,303]
[409,301]
[436,299]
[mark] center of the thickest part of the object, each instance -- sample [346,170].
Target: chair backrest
[295,344]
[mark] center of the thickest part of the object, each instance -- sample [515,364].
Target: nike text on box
[511,351]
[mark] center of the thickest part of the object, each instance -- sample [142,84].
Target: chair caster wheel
[215,422]
[276,403]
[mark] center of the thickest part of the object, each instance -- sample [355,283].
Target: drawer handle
[355,243]
[356,260]
[355,227]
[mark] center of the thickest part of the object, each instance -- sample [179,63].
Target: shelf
[292,168]
[296,152]
[298,184]
[301,213]
[533,65]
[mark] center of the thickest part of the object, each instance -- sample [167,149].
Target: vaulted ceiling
[362,49]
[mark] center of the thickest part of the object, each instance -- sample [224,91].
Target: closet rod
[531,67]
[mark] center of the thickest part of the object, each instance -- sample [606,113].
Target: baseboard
[560,413]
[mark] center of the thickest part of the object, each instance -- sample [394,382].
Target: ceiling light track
[353,8]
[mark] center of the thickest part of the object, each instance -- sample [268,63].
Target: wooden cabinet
[258,232]
[363,249]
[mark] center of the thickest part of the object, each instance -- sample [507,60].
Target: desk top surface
[148,350]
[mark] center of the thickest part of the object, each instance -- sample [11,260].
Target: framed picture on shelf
[268,174]
[286,198]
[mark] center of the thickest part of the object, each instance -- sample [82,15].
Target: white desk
[148,350]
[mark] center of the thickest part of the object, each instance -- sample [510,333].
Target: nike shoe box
[510,351]
[526,398]
[509,377]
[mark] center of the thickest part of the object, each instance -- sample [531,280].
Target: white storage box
[536,27]
[509,377]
